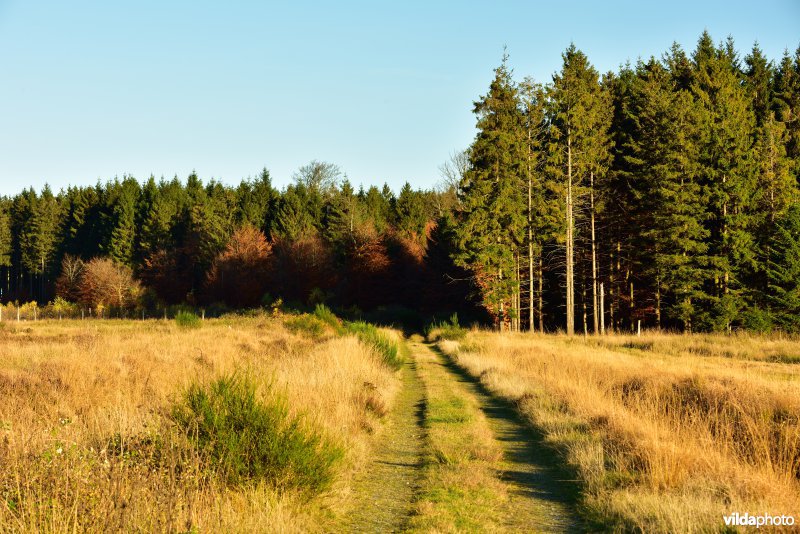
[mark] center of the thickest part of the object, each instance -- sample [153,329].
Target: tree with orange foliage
[105,283]
[238,275]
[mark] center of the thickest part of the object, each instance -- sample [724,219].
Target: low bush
[446,330]
[244,439]
[305,324]
[186,319]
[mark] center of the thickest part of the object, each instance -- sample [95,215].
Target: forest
[663,195]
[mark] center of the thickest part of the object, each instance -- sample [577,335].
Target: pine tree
[759,83]
[5,248]
[786,104]
[297,213]
[492,223]
[579,115]
[376,208]
[726,166]
[256,202]
[120,220]
[409,213]
[783,270]
[540,216]
[663,159]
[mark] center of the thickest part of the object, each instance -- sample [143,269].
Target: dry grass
[86,441]
[668,433]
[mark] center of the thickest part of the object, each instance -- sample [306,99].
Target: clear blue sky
[93,90]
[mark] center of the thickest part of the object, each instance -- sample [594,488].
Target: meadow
[233,424]
[666,433]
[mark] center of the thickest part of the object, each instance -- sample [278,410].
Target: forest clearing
[147,426]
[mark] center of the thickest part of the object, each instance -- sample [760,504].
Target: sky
[94,90]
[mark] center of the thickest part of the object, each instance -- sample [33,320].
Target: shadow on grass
[532,467]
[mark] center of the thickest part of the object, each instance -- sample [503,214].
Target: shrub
[186,319]
[246,440]
[446,330]
[306,324]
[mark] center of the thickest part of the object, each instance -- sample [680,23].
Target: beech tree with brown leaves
[106,284]
[238,275]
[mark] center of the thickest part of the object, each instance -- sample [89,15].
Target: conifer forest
[664,195]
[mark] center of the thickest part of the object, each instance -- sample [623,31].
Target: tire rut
[384,491]
[543,498]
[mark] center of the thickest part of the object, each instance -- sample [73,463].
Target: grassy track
[485,471]
[384,491]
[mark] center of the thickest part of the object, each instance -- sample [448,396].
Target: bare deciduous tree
[68,283]
[319,176]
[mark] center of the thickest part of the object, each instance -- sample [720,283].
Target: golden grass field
[83,405]
[667,433]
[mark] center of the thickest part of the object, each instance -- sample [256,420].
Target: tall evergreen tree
[726,166]
[664,153]
[579,115]
[783,271]
[492,224]
[121,201]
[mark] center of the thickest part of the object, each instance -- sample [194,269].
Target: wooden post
[602,310]
[17,313]
[638,327]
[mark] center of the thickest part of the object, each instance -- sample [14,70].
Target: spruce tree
[409,213]
[783,271]
[663,154]
[492,223]
[727,170]
[579,115]
[120,220]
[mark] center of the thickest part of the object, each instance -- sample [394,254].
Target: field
[665,433]
[90,438]
[304,423]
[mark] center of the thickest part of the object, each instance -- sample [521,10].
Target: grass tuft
[390,350]
[246,440]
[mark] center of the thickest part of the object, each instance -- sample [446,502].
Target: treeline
[665,194]
[126,245]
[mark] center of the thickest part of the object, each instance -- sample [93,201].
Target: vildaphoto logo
[764,520]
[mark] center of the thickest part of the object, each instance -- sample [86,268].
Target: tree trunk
[530,239]
[611,294]
[501,312]
[583,301]
[541,294]
[570,243]
[658,302]
[594,259]
[602,311]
